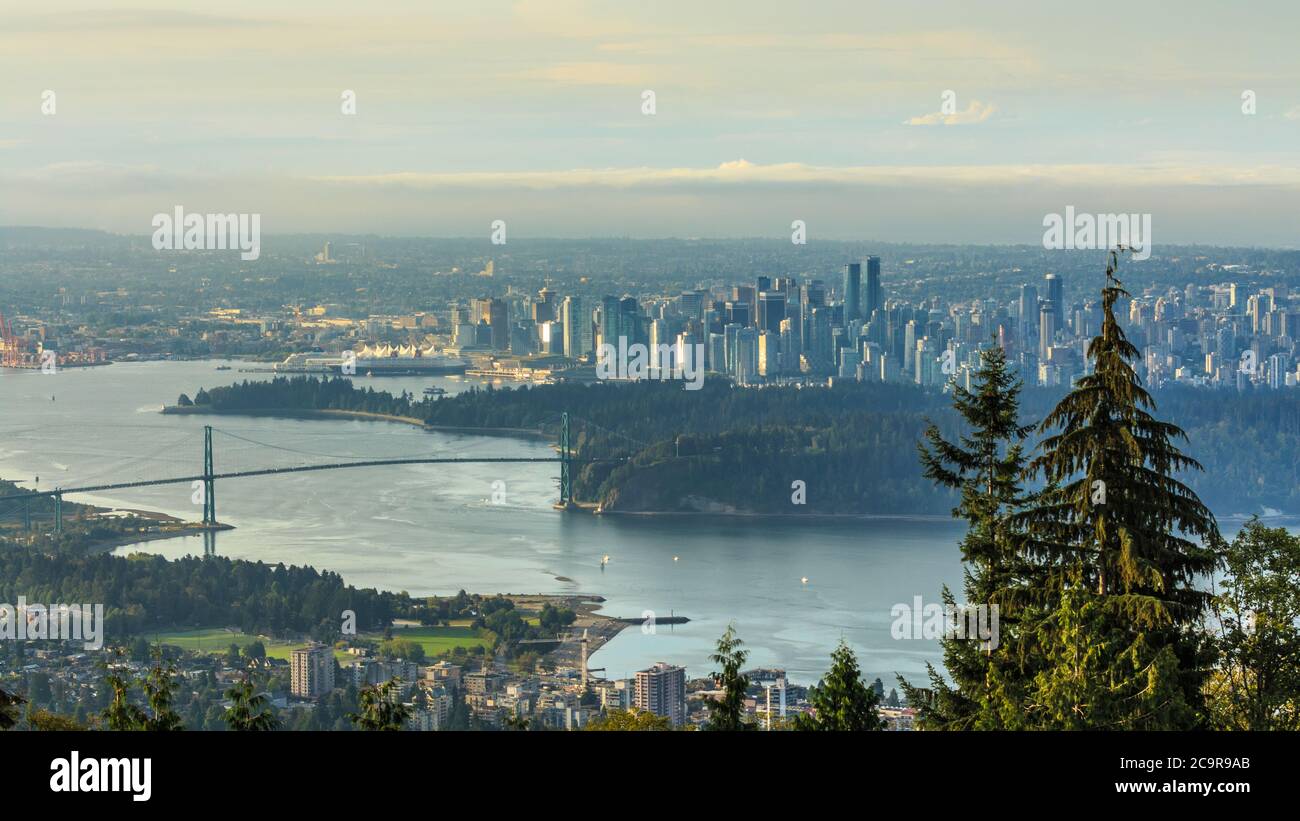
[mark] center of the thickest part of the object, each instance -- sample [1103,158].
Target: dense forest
[852,446]
[301,393]
[145,592]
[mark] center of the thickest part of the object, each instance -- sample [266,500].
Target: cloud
[741,171]
[976,112]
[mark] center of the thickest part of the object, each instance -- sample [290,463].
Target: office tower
[1028,305]
[747,356]
[789,347]
[737,313]
[630,324]
[813,294]
[495,313]
[771,311]
[769,354]
[576,323]
[852,292]
[544,306]
[662,691]
[717,353]
[748,295]
[550,338]
[691,304]
[1046,328]
[764,284]
[1056,295]
[873,297]
[662,348]
[729,334]
[523,336]
[311,671]
[820,346]
[909,346]
[610,321]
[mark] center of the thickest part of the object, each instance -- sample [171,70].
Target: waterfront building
[662,690]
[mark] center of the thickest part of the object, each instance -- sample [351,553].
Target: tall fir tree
[986,465]
[1121,587]
[728,713]
[842,701]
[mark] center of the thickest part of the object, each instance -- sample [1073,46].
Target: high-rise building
[1056,295]
[771,311]
[544,306]
[611,321]
[1028,311]
[311,671]
[747,356]
[494,312]
[1046,328]
[852,292]
[873,297]
[662,691]
[576,321]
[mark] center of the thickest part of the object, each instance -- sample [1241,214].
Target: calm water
[435,529]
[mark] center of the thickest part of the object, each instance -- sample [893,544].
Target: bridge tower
[209,484]
[566,479]
[58,512]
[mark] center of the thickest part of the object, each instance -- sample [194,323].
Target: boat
[434,390]
[223,367]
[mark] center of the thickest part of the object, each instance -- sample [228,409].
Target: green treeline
[302,393]
[145,592]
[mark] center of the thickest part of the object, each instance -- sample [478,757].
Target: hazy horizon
[945,124]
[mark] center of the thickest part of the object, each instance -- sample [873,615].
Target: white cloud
[976,112]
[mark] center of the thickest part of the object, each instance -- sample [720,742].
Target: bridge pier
[209,483]
[566,478]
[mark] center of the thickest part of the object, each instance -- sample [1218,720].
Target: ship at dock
[375,360]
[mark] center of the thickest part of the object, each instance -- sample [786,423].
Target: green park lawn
[434,640]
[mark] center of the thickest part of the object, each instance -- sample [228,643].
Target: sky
[534,113]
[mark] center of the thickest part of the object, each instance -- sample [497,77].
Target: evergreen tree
[160,693]
[249,710]
[842,701]
[121,714]
[379,708]
[986,465]
[1257,683]
[1118,591]
[728,713]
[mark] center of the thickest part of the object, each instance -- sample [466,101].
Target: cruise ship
[376,360]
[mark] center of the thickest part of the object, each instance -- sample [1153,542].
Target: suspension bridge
[597,446]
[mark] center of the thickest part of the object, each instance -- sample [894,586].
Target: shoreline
[330,413]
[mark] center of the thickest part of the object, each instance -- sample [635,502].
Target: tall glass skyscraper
[1056,294]
[852,295]
[874,297]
